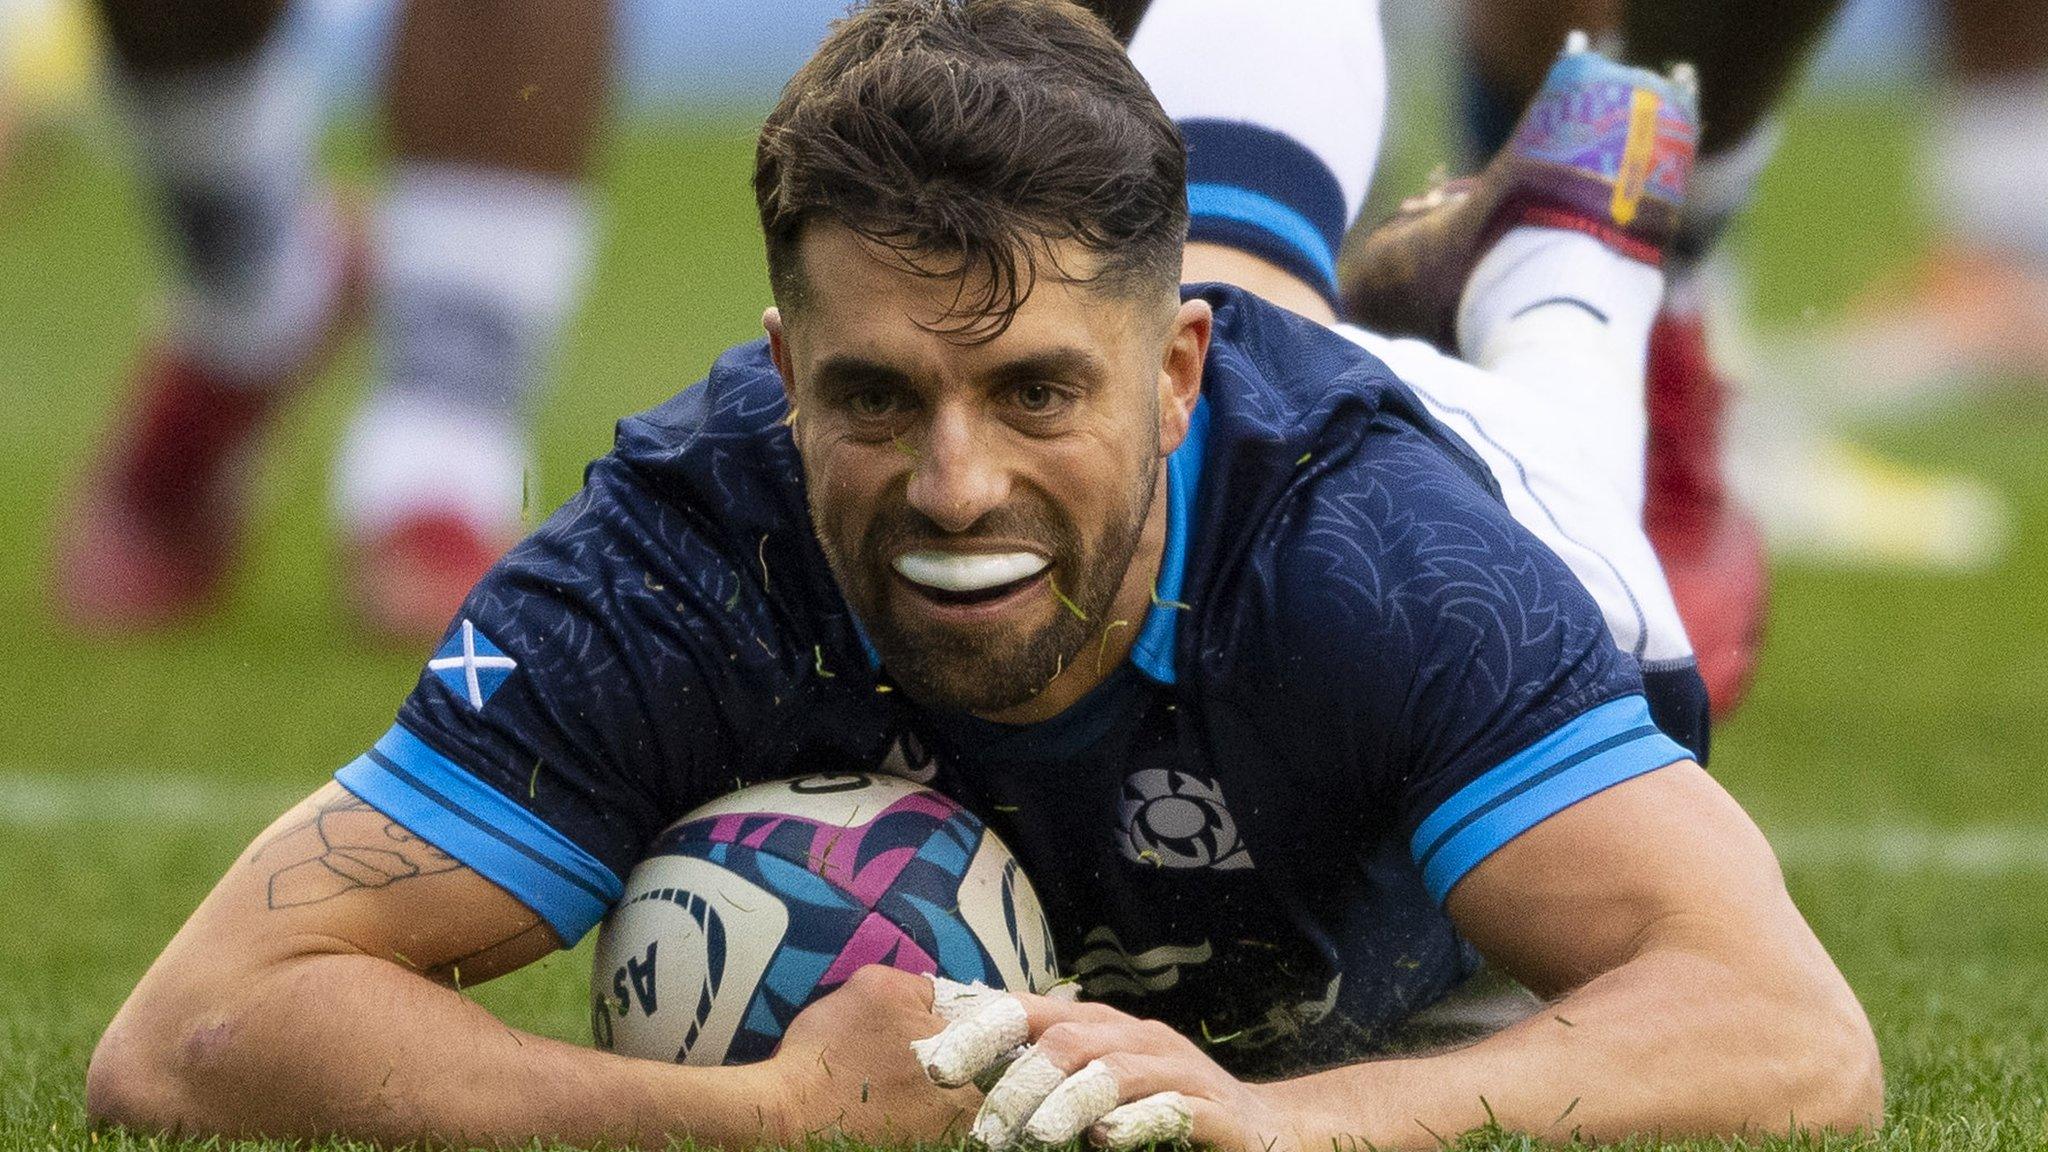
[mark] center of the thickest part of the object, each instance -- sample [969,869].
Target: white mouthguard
[968,571]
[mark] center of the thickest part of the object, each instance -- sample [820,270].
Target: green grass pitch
[1893,747]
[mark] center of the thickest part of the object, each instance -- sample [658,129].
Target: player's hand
[847,1065]
[1124,1081]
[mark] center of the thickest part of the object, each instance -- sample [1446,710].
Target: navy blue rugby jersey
[1361,677]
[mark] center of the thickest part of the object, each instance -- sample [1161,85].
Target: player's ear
[778,350]
[1180,371]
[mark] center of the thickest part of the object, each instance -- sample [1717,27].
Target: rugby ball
[753,906]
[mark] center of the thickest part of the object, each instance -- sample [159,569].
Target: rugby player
[1283,108]
[1749,54]
[998,504]
[472,266]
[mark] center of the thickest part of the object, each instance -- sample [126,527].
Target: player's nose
[958,478]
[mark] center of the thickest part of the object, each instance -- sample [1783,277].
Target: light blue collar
[1153,652]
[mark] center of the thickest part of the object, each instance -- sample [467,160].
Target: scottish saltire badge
[471,666]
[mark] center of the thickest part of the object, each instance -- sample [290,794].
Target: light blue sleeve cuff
[442,803]
[1594,751]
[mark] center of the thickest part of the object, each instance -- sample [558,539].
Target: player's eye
[1039,399]
[872,403]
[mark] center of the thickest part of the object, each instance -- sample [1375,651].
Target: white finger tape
[1157,1119]
[966,1046]
[990,1075]
[952,1000]
[1079,1101]
[1012,1100]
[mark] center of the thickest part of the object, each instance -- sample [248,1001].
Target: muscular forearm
[348,1043]
[1674,1042]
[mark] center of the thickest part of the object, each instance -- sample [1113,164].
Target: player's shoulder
[1388,538]
[1354,538]
[1386,611]
[1285,391]
[692,530]
[678,601]
[1397,527]
[739,398]
[1315,445]
[708,481]
[1280,372]
[723,441]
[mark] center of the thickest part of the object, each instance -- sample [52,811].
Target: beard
[990,669]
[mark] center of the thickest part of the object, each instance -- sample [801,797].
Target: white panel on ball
[662,991]
[1000,905]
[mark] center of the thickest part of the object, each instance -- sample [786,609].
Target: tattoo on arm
[344,846]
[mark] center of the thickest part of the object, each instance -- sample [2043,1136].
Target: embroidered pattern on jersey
[1173,819]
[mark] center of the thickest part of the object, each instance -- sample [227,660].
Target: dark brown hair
[965,137]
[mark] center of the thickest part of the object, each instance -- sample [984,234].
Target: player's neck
[1110,642]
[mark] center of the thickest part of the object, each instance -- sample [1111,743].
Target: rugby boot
[407,580]
[1712,547]
[1604,149]
[155,526]
[427,493]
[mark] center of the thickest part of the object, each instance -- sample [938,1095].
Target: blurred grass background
[1891,708]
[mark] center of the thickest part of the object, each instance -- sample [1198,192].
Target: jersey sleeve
[1470,679]
[574,705]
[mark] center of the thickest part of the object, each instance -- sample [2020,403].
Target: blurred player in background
[1976,307]
[1747,53]
[1278,173]
[46,66]
[469,264]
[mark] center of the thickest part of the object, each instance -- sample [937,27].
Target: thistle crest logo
[1172,819]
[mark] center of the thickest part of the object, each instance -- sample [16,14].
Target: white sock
[478,272]
[1311,70]
[230,149]
[406,455]
[1283,105]
[1561,314]
[1551,397]
[1986,165]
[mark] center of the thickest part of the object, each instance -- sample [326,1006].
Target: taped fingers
[1078,1102]
[1012,1100]
[980,1035]
[1115,1057]
[1038,1101]
[1163,1117]
[952,1000]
